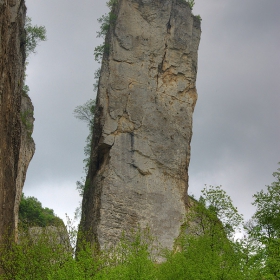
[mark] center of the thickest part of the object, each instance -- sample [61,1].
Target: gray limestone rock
[138,174]
[26,152]
[16,114]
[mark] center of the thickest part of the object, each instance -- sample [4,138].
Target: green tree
[31,213]
[191,3]
[266,228]
[105,22]
[208,245]
[34,35]
[85,113]
[214,211]
[206,249]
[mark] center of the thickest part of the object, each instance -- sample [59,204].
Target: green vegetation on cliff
[34,34]
[32,213]
[205,250]
[85,113]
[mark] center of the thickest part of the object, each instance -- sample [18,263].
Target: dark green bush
[31,213]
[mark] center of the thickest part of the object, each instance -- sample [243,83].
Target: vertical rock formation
[26,152]
[143,125]
[16,114]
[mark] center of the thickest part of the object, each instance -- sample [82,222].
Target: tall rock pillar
[16,114]
[143,124]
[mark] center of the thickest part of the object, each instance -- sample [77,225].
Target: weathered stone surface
[26,152]
[143,126]
[16,145]
[53,235]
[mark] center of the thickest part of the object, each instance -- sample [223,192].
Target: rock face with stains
[16,114]
[138,174]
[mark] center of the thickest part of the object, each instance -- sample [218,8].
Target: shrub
[31,213]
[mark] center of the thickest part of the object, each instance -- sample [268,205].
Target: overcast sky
[236,131]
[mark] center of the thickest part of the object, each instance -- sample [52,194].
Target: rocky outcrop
[16,114]
[52,235]
[26,152]
[138,175]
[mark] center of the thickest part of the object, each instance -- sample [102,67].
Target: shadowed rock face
[143,125]
[16,114]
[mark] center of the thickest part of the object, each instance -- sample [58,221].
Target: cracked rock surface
[16,114]
[143,125]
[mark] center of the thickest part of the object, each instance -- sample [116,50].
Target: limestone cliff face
[143,125]
[56,235]
[16,144]
[26,152]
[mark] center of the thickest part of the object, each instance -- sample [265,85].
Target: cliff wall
[138,173]
[26,152]
[16,114]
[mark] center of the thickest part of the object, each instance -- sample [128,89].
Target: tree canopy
[32,213]
[34,34]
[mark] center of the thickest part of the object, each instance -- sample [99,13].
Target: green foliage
[111,3]
[205,249]
[25,89]
[31,213]
[105,22]
[219,205]
[267,214]
[266,227]
[25,116]
[201,258]
[130,259]
[85,113]
[199,17]
[31,260]
[249,257]
[100,50]
[214,213]
[191,3]
[34,34]
[47,260]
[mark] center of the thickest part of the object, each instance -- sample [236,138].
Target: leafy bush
[31,213]
[86,113]
[34,34]
[105,22]
[265,230]
[205,249]
[25,118]
[32,259]
[191,3]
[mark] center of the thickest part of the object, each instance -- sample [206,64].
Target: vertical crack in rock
[138,175]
